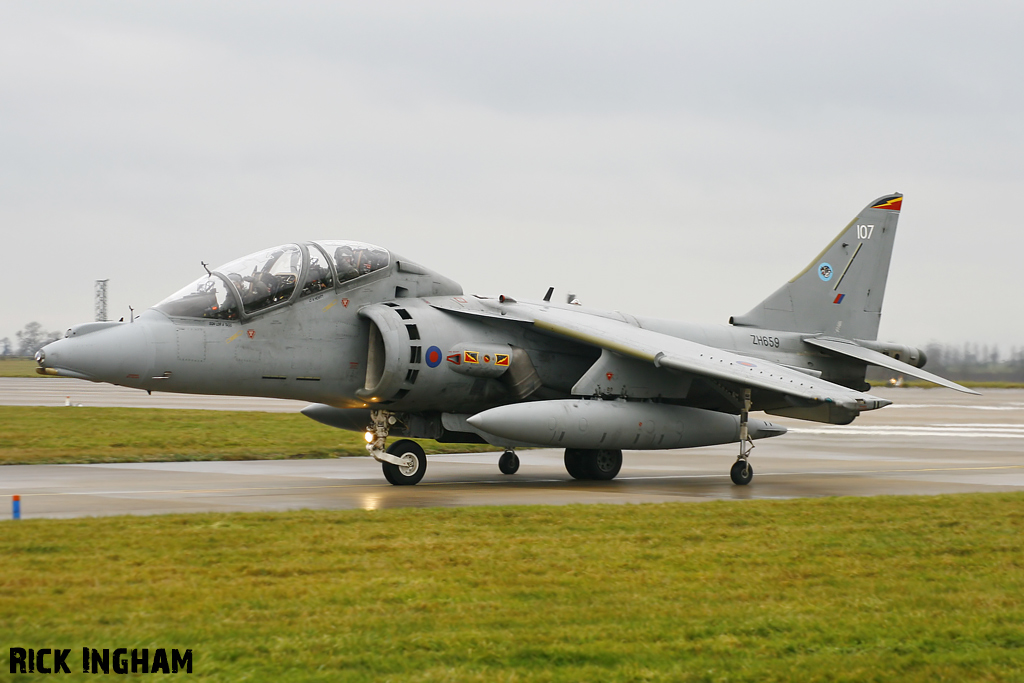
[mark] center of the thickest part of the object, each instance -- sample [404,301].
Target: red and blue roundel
[433,356]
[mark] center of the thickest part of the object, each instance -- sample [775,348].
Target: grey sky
[658,158]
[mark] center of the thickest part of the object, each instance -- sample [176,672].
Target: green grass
[18,367]
[34,435]
[843,589]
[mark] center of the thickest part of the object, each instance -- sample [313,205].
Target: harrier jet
[380,344]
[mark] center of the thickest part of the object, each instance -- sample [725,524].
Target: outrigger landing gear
[741,472]
[404,462]
[508,463]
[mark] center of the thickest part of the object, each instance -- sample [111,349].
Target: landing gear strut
[741,472]
[508,463]
[404,462]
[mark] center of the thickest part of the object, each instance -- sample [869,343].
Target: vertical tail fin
[840,292]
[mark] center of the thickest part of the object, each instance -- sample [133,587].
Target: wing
[671,353]
[665,351]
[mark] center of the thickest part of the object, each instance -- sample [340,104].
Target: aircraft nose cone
[118,354]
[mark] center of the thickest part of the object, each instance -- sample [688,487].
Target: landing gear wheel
[604,465]
[741,473]
[415,465]
[508,463]
[576,464]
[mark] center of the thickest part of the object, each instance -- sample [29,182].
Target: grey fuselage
[367,343]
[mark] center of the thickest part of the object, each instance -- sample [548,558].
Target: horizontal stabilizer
[880,359]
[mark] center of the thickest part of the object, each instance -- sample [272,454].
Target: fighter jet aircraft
[380,344]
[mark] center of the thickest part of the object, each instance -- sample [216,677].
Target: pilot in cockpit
[346,262]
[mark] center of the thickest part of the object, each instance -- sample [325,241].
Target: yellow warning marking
[330,306]
[233,337]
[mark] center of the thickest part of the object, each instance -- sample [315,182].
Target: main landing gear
[599,465]
[741,472]
[508,463]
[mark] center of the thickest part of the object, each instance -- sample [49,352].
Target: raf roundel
[825,272]
[433,356]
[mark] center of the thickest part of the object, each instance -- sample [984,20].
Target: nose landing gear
[404,462]
[413,467]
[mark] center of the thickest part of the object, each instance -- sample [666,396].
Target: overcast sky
[662,158]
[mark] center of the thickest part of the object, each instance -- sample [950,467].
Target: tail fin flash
[840,292]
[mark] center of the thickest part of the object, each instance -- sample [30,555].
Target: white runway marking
[952,406]
[983,431]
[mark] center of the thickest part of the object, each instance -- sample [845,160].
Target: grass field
[35,435]
[18,367]
[920,384]
[843,589]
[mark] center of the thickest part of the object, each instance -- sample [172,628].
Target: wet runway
[930,441]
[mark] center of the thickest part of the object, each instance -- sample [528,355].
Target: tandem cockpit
[274,277]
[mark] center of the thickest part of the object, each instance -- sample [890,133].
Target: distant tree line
[32,338]
[976,362]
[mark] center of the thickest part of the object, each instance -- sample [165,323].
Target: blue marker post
[16,507]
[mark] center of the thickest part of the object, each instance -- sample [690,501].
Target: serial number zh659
[770,342]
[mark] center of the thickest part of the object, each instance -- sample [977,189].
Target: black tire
[741,473]
[407,475]
[387,474]
[604,465]
[575,463]
[508,463]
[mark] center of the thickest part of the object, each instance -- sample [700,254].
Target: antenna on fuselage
[207,267]
[547,297]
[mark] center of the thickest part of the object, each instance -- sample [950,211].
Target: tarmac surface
[931,441]
[60,391]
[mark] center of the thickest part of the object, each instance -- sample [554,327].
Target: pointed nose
[117,353]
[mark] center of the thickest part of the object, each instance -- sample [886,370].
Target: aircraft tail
[840,292]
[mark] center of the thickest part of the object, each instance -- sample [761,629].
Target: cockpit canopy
[273,277]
